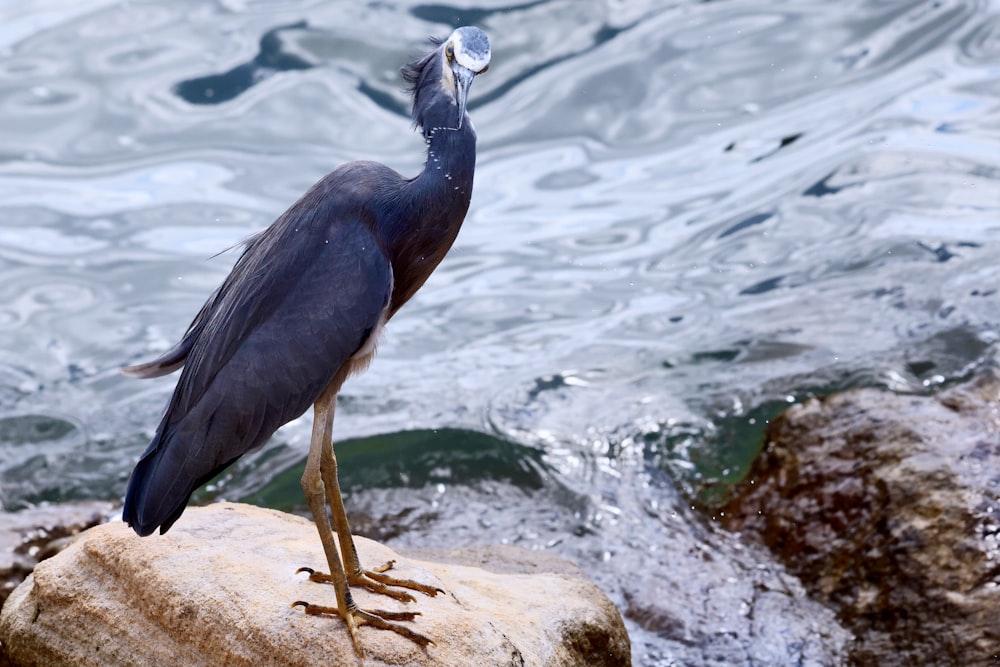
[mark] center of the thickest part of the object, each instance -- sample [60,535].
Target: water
[687,215]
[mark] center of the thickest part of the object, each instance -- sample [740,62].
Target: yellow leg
[320,484]
[374,580]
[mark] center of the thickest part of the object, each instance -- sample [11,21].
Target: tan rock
[217,589]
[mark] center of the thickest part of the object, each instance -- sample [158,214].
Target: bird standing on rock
[301,311]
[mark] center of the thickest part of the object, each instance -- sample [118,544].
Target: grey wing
[276,336]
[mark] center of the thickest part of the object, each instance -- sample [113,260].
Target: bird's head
[466,54]
[449,70]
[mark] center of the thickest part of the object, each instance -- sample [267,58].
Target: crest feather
[411,71]
[415,72]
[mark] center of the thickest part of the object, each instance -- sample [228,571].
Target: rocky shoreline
[882,509]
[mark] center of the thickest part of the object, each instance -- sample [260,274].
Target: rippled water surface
[686,215]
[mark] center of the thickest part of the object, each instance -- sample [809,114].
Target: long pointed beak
[463,80]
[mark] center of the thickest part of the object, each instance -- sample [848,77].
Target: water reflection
[274,56]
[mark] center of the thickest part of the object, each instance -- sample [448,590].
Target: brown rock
[217,589]
[887,507]
[32,535]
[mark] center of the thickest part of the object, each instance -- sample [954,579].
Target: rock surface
[887,508]
[217,589]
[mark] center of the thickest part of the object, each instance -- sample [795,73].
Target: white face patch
[476,62]
[465,54]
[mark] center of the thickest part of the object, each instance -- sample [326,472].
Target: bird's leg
[375,579]
[316,488]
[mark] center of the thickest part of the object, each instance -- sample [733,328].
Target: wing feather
[300,301]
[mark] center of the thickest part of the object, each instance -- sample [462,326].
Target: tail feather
[160,488]
[174,358]
[166,363]
[147,507]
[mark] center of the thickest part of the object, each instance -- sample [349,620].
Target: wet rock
[217,590]
[691,595]
[722,604]
[32,535]
[887,508]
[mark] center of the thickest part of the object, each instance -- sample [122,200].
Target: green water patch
[414,459]
[728,453]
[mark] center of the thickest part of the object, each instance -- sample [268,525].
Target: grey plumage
[304,297]
[300,312]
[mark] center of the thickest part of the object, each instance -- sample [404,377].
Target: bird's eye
[450,51]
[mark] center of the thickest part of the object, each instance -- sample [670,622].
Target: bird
[302,310]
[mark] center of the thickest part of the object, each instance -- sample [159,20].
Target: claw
[377,618]
[380,581]
[377,582]
[319,610]
[385,567]
[318,577]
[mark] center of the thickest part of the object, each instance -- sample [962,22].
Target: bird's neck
[451,160]
[436,202]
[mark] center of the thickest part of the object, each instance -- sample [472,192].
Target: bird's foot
[377,618]
[377,581]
